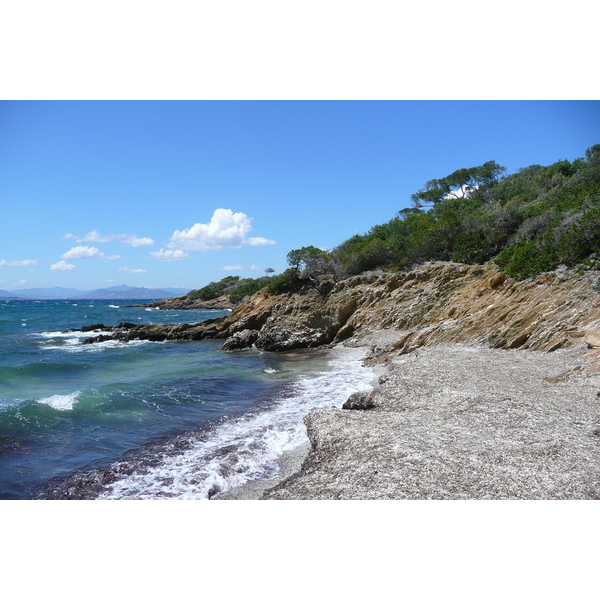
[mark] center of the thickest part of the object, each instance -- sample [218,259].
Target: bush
[286,282]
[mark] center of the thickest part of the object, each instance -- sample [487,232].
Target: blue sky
[181,193]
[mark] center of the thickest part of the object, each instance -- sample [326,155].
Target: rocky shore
[458,422]
[188,303]
[489,387]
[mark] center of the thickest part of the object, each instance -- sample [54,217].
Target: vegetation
[529,222]
[214,290]
[458,184]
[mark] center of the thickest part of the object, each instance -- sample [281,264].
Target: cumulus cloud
[83,252]
[169,255]
[87,252]
[94,236]
[231,268]
[128,270]
[255,268]
[135,241]
[19,263]
[19,283]
[225,229]
[97,238]
[260,241]
[62,265]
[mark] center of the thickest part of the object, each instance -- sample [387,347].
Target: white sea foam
[71,341]
[112,306]
[61,402]
[247,448]
[66,334]
[76,346]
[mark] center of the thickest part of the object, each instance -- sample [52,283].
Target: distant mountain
[125,292]
[118,292]
[51,292]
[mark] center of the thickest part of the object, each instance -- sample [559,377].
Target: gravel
[459,422]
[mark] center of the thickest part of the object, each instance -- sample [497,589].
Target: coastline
[457,421]
[458,349]
[289,464]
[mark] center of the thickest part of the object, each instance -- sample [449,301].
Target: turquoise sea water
[148,419]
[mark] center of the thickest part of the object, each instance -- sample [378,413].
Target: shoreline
[484,424]
[289,464]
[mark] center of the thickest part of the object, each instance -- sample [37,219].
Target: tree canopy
[459,184]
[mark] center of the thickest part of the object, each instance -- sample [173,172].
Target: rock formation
[188,303]
[437,302]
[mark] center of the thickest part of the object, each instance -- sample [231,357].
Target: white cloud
[87,252]
[169,255]
[97,238]
[62,265]
[226,229]
[94,236]
[260,241]
[19,263]
[128,270]
[135,241]
[83,252]
[231,268]
[22,282]
[255,268]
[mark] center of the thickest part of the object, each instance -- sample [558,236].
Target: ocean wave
[247,448]
[61,402]
[66,334]
[76,346]
[70,341]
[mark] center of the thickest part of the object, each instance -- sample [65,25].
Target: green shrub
[286,282]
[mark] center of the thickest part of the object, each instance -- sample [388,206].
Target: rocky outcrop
[188,303]
[437,302]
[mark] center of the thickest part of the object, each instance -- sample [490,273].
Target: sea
[149,420]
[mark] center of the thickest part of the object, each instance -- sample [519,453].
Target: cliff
[437,302]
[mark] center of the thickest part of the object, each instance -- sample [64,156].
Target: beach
[455,422]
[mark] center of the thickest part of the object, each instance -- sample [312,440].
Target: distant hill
[124,292]
[51,292]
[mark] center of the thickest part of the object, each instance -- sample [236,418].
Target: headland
[488,386]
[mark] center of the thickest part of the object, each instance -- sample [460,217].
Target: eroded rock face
[437,302]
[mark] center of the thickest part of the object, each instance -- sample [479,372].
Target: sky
[181,193]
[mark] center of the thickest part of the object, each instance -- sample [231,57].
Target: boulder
[240,340]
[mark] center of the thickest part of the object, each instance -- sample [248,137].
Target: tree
[268,271]
[304,256]
[458,184]
[313,261]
